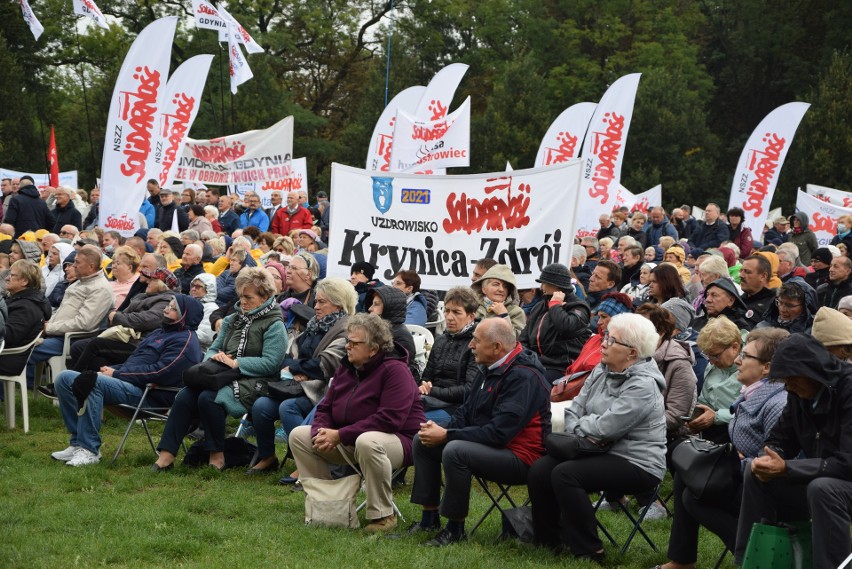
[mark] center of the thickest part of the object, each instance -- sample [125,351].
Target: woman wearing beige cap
[834,330]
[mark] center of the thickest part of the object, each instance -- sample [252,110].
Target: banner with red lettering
[30,18]
[295,179]
[639,202]
[252,156]
[822,215]
[381,143]
[564,138]
[760,163]
[241,35]
[436,99]
[238,66]
[603,153]
[89,9]
[439,226]
[830,195]
[207,17]
[41,181]
[180,107]
[53,159]
[138,97]
[430,145]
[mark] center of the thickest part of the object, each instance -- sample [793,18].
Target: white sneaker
[65,455]
[83,457]
[608,506]
[655,512]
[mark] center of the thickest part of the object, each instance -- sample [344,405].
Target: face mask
[841,228]
[109,248]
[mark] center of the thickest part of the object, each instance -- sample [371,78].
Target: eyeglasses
[715,357]
[744,356]
[787,305]
[351,342]
[608,341]
[196,285]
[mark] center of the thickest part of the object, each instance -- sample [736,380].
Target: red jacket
[284,223]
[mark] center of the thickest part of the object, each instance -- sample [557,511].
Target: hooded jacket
[226,283]
[319,355]
[395,311]
[626,409]
[507,407]
[805,320]
[144,312]
[28,212]
[806,241]
[377,397]
[735,313]
[56,274]
[416,310]
[208,301]
[513,300]
[758,305]
[165,354]
[821,429]
[557,331]
[27,312]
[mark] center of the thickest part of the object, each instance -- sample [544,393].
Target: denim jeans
[439,417]
[85,429]
[52,346]
[266,411]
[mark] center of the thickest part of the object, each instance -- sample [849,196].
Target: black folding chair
[496,498]
[636,521]
[143,414]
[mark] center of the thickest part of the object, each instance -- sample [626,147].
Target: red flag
[53,160]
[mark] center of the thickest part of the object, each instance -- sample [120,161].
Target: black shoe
[597,557]
[287,480]
[82,386]
[48,391]
[418,527]
[157,468]
[271,467]
[444,538]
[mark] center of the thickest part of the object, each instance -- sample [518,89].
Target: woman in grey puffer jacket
[621,405]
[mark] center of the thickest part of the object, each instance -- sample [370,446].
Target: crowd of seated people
[673,328]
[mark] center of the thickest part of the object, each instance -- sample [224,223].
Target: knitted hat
[695,252]
[364,268]
[278,268]
[164,275]
[615,303]
[557,275]
[682,311]
[845,303]
[176,246]
[823,254]
[774,261]
[729,256]
[832,328]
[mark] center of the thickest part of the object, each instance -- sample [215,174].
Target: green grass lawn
[52,515]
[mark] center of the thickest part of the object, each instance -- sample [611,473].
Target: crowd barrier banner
[68,178]
[760,163]
[603,153]
[136,102]
[381,143]
[180,107]
[639,202]
[253,156]
[89,9]
[297,179]
[440,226]
[564,138]
[823,216]
[421,145]
[830,195]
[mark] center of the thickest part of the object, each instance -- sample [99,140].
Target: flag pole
[85,100]
[387,66]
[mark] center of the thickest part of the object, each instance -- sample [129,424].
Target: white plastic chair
[423,341]
[57,364]
[9,382]
[438,326]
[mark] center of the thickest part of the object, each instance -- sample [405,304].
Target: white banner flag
[296,178]
[439,226]
[238,66]
[131,126]
[564,138]
[241,35]
[430,145]
[180,107]
[760,163]
[30,18]
[603,153]
[436,99]
[207,17]
[822,215]
[381,143]
[253,156]
[639,202]
[89,9]
[830,195]
[68,178]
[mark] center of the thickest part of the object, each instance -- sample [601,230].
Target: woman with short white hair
[620,409]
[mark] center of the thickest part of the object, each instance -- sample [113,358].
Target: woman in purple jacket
[371,412]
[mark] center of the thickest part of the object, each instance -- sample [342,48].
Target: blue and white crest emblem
[382,193]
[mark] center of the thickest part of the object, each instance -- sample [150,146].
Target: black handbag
[210,374]
[707,469]
[284,389]
[568,446]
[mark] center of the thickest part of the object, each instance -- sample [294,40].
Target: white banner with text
[823,216]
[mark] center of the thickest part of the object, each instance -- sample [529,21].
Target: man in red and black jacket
[497,433]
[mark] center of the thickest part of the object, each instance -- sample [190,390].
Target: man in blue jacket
[161,358]
[712,232]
